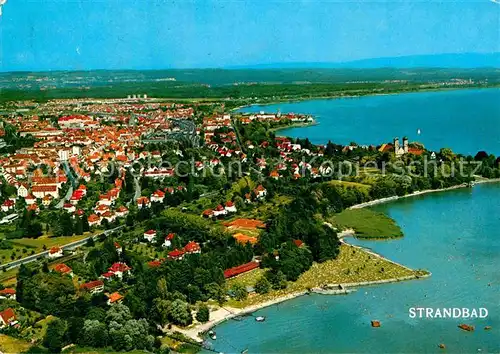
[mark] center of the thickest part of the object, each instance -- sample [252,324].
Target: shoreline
[295,125]
[223,314]
[418,193]
[339,96]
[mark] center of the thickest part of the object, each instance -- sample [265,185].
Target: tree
[161,288]
[75,328]
[262,286]
[160,311]
[239,291]
[216,292]
[94,334]
[78,226]
[64,224]
[118,313]
[54,337]
[180,313]
[277,279]
[203,314]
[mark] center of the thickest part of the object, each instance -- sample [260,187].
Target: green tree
[55,335]
[78,226]
[262,286]
[180,313]
[94,334]
[203,314]
[239,291]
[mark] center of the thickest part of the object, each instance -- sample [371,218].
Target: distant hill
[462,60]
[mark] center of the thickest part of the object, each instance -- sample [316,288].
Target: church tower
[405,145]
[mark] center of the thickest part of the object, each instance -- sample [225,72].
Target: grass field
[367,223]
[265,210]
[352,265]
[361,186]
[24,247]
[49,242]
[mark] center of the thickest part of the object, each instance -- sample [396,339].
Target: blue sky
[146,34]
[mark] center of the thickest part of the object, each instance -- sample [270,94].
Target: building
[158,196]
[8,293]
[8,205]
[7,318]
[150,235]
[192,248]
[121,211]
[55,252]
[62,268]
[176,255]
[398,149]
[114,298]
[143,201]
[230,207]
[119,248]
[232,272]
[93,287]
[41,191]
[94,220]
[260,192]
[168,240]
[118,269]
[219,211]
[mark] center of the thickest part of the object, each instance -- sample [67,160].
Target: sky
[38,35]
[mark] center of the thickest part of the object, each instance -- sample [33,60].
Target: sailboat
[418,132]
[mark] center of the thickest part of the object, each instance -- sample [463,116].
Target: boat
[418,131]
[260,318]
[466,327]
[375,323]
[212,335]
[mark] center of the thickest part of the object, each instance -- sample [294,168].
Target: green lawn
[367,223]
[13,345]
[352,265]
[361,186]
[265,210]
[49,242]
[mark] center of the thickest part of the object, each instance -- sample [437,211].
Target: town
[128,222]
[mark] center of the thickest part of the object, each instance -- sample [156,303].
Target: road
[68,246]
[137,191]
[66,197]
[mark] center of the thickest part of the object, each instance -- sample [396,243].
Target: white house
[230,207]
[219,211]
[150,235]
[168,240]
[55,252]
[22,191]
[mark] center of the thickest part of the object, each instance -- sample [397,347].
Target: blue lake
[464,120]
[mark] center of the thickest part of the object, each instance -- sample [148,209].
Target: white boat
[260,318]
[212,335]
[418,131]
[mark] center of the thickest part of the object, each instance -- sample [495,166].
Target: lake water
[455,235]
[464,120]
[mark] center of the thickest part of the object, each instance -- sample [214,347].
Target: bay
[464,120]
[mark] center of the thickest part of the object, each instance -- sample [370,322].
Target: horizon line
[287,65]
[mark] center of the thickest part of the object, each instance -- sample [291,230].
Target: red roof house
[232,272]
